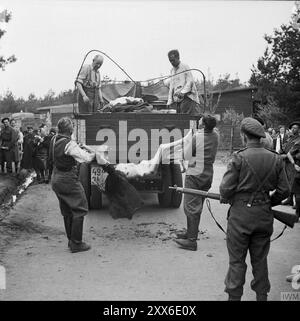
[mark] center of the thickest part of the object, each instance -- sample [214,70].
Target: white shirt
[79,154]
[183,83]
[278,143]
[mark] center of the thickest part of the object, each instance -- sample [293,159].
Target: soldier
[252,173]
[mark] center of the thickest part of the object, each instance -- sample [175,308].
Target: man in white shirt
[182,91]
[281,140]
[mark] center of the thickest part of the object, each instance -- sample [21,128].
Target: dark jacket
[239,178]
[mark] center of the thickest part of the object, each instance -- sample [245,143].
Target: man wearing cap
[251,174]
[88,83]
[8,140]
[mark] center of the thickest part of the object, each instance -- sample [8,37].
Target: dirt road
[130,259]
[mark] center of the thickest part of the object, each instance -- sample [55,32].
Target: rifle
[284,214]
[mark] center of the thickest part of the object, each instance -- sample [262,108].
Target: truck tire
[176,180]
[165,198]
[84,178]
[96,198]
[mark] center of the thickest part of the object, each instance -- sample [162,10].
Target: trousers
[193,204]
[6,156]
[72,202]
[248,229]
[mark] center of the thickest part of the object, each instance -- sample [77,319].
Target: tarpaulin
[157,91]
[112,91]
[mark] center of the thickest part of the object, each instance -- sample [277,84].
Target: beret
[253,127]
[296,122]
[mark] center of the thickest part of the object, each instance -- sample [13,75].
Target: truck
[132,135]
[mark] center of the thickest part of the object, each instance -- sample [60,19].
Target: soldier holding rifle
[252,173]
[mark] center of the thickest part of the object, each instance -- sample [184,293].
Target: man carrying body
[65,153]
[201,154]
[182,91]
[88,83]
[251,174]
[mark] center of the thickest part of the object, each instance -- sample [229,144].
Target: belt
[62,169]
[245,196]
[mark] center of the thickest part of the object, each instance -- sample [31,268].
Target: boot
[76,244]
[261,297]
[68,227]
[187,244]
[288,201]
[234,298]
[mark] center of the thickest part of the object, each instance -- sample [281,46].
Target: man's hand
[224,200]
[88,149]
[179,95]
[101,160]
[297,168]
[86,99]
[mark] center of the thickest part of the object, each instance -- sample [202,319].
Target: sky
[51,38]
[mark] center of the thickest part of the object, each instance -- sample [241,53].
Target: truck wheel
[176,180]
[165,198]
[84,178]
[96,198]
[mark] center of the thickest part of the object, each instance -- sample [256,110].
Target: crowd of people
[279,137]
[25,149]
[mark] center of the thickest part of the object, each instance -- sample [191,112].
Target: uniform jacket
[239,178]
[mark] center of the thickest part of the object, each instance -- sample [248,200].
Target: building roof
[59,108]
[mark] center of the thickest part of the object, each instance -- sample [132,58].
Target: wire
[221,228]
[103,53]
[135,82]
[210,211]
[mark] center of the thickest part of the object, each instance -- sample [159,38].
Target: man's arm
[79,154]
[282,191]
[101,97]
[83,74]
[171,90]
[230,179]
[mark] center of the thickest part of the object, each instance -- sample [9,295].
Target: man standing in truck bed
[88,83]
[182,91]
